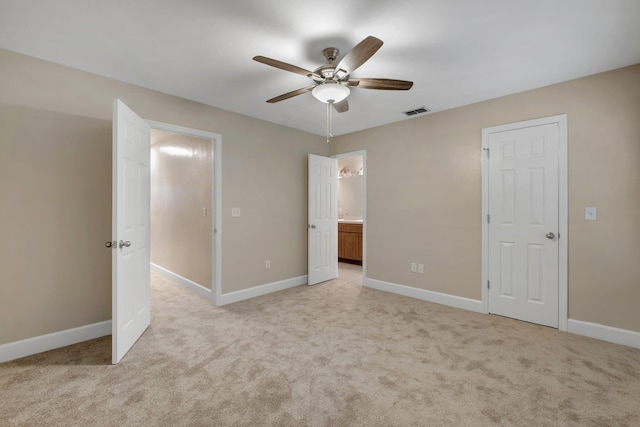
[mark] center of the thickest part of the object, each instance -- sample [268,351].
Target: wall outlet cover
[590,214]
[414,267]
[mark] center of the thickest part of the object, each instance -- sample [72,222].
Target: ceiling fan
[331,82]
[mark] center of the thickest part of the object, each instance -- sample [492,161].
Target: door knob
[312,226]
[551,235]
[125,244]
[110,244]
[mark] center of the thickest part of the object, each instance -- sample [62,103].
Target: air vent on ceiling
[417,111]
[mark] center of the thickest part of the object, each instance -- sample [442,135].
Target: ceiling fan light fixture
[330,92]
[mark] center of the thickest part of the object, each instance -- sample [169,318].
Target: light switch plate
[590,214]
[235,212]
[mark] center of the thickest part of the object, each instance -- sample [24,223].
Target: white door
[130,230]
[523,223]
[323,219]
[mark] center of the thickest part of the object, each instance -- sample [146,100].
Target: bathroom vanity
[350,241]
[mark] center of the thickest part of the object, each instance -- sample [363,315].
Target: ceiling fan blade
[382,84]
[358,56]
[284,66]
[341,106]
[290,94]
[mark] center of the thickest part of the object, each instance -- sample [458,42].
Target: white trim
[563,224]
[183,130]
[257,291]
[29,346]
[563,212]
[605,333]
[216,286]
[216,198]
[182,281]
[483,221]
[422,294]
[362,153]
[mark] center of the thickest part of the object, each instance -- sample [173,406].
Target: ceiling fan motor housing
[325,71]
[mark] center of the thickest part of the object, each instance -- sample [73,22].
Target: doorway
[185,204]
[130,287]
[352,202]
[524,234]
[181,210]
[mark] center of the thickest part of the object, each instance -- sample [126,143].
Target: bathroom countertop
[351,221]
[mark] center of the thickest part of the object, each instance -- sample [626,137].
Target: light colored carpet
[335,354]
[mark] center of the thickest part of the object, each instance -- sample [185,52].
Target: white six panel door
[131,298]
[323,219]
[523,226]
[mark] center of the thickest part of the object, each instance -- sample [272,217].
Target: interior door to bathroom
[322,224]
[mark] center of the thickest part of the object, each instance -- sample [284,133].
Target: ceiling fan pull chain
[330,108]
[328,121]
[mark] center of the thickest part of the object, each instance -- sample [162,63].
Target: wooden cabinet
[350,243]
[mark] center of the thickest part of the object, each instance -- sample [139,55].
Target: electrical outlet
[267,264]
[235,212]
[204,212]
[414,267]
[421,268]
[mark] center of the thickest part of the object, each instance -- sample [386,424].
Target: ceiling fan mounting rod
[330,54]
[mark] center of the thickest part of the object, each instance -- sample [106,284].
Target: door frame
[216,199]
[563,209]
[362,153]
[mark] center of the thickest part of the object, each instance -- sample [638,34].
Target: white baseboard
[257,291]
[182,281]
[436,297]
[23,348]
[605,333]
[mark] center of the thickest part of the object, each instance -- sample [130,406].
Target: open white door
[131,297]
[323,219]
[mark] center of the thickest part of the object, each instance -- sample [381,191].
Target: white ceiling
[455,51]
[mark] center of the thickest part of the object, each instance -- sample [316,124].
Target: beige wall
[53,258]
[424,193]
[55,215]
[181,188]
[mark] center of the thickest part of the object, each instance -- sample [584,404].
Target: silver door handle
[110,244]
[312,226]
[551,235]
[125,244]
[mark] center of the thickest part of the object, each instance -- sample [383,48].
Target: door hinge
[488,284]
[488,152]
[488,219]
